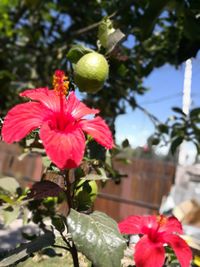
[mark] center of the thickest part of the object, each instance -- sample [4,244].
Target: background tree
[36,35]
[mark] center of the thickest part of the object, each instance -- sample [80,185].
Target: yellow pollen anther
[162,220]
[60,82]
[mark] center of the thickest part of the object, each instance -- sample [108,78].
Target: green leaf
[92,176]
[9,184]
[104,30]
[163,128]
[125,143]
[58,222]
[148,20]
[176,143]
[155,141]
[24,250]
[97,237]
[46,161]
[6,199]
[122,70]
[195,112]
[76,52]
[10,214]
[178,110]
[197,147]
[108,36]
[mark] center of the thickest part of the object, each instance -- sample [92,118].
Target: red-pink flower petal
[65,149]
[99,130]
[138,224]
[22,119]
[131,225]
[78,109]
[148,253]
[172,226]
[180,247]
[45,96]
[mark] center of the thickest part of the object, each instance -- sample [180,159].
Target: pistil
[61,87]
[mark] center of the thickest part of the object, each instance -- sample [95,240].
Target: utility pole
[182,157]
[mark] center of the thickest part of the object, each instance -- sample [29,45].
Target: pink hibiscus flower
[62,122]
[157,231]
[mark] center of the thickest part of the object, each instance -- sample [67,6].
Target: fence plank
[27,170]
[140,192]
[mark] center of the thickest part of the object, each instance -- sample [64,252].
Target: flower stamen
[162,220]
[60,83]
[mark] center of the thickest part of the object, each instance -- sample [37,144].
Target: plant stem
[74,254]
[72,248]
[68,188]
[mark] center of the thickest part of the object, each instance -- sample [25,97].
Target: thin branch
[67,187]
[150,115]
[72,249]
[92,26]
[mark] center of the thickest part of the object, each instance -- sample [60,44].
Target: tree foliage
[35,37]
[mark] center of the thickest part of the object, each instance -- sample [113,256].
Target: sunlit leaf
[76,52]
[97,236]
[10,214]
[9,184]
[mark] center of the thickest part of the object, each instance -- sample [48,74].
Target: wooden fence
[140,192]
[26,170]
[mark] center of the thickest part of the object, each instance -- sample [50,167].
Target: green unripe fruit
[91,72]
[85,194]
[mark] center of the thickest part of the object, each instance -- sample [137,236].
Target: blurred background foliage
[35,36]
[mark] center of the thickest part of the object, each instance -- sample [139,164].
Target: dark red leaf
[45,189]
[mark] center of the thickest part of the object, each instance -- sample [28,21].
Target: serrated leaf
[26,249]
[76,52]
[176,143]
[97,237]
[9,184]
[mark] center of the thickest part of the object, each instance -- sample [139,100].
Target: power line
[162,99]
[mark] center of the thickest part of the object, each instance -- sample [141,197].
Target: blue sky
[166,85]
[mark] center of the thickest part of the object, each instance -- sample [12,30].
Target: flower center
[154,231]
[61,87]
[60,83]
[162,220]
